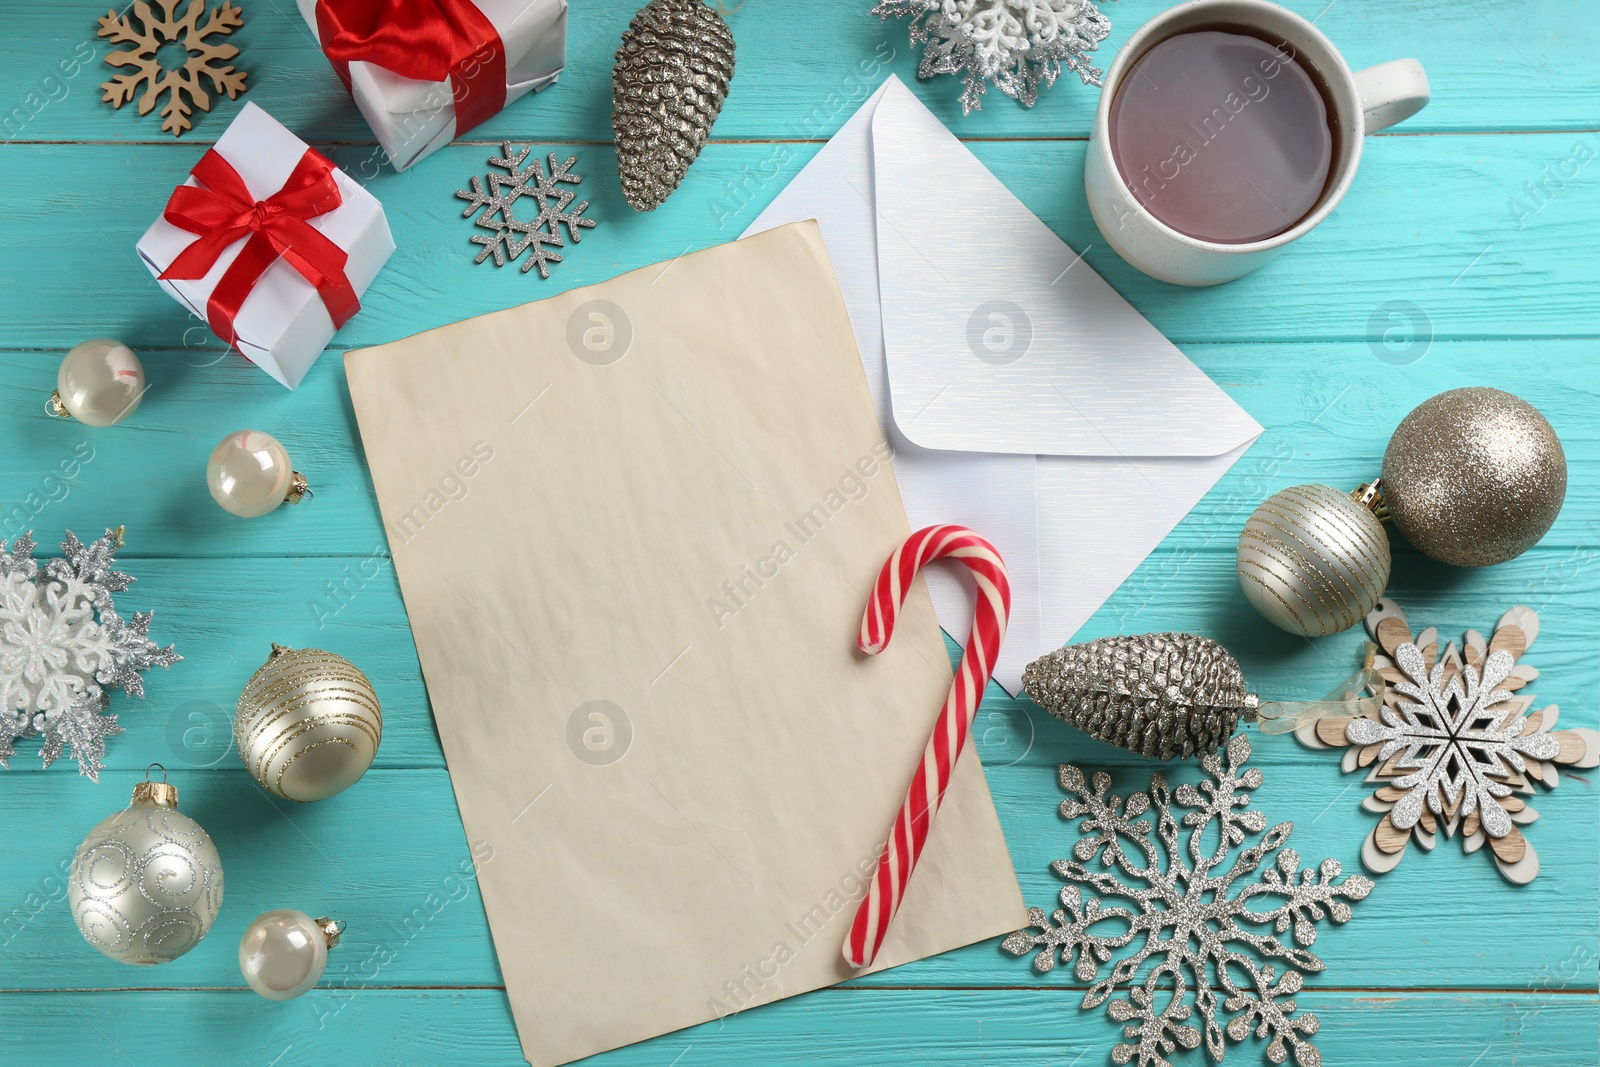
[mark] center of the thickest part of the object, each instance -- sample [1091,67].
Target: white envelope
[1024,396]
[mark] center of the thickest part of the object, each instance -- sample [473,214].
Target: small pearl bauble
[1474,476]
[249,474]
[284,952]
[308,724]
[1314,560]
[146,883]
[99,384]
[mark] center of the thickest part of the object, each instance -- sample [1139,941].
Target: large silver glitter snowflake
[540,236]
[63,645]
[1017,44]
[1191,911]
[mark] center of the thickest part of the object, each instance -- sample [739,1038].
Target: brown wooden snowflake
[1455,747]
[203,58]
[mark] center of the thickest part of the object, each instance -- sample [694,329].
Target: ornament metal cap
[332,929]
[161,794]
[299,489]
[1370,496]
[55,407]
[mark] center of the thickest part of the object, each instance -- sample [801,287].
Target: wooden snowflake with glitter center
[1455,746]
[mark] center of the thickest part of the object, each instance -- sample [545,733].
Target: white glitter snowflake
[510,236]
[63,645]
[1189,915]
[1017,44]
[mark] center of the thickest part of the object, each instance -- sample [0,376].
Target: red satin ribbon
[426,40]
[221,210]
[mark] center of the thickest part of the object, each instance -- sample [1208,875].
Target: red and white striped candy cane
[910,830]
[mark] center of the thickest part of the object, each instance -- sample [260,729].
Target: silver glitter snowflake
[63,646]
[509,236]
[1017,44]
[1189,915]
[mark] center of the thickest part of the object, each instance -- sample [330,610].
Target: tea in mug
[1222,135]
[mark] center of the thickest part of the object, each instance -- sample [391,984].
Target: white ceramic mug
[1361,102]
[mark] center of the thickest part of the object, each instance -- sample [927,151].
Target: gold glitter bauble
[1474,476]
[1313,560]
[308,724]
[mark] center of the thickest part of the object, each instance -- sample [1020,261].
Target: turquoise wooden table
[1478,216]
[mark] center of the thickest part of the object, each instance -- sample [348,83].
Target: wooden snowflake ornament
[1454,747]
[202,61]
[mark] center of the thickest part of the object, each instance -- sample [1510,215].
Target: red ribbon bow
[221,211]
[426,40]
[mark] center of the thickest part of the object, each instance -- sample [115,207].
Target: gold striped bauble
[308,724]
[1314,560]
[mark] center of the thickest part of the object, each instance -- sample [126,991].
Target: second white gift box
[273,248]
[425,74]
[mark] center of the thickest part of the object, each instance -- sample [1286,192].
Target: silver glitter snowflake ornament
[1192,914]
[63,646]
[509,236]
[1017,44]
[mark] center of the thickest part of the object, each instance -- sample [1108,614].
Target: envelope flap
[998,337]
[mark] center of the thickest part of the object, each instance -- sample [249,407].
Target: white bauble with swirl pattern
[146,883]
[308,724]
[1314,560]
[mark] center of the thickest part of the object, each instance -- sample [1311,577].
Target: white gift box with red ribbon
[412,117]
[322,238]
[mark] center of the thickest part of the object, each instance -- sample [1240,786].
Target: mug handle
[1391,92]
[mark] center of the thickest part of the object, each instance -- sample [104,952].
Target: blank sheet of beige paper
[635,585]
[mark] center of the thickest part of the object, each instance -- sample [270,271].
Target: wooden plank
[1329,410]
[186,718]
[1010,1028]
[390,857]
[1518,65]
[1429,240]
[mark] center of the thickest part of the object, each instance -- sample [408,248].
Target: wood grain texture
[1442,268]
[1514,65]
[390,858]
[881,1028]
[1427,224]
[1327,409]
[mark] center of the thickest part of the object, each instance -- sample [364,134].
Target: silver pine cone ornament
[667,88]
[1164,696]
